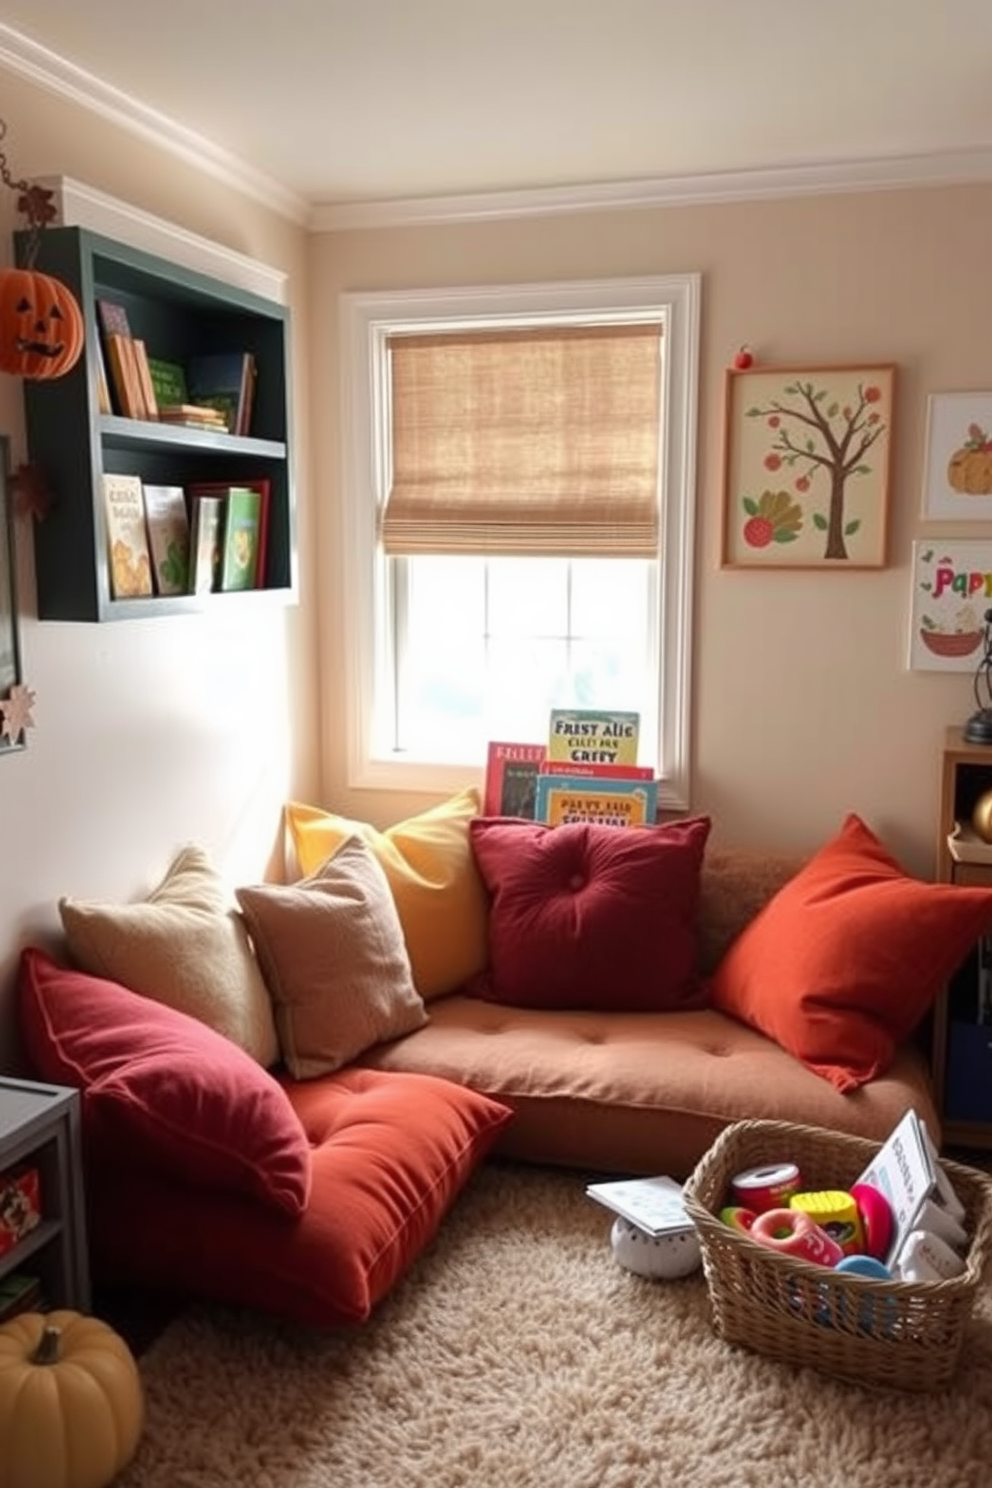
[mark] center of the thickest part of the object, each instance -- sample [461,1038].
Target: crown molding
[965,167]
[27,59]
[20,55]
[78,205]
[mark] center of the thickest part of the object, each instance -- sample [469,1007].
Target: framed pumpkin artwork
[957,484]
[806,466]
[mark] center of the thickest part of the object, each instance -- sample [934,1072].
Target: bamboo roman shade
[539,441]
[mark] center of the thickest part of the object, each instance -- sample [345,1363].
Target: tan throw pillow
[185,945]
[332,953]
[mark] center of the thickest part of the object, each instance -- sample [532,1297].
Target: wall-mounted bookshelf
[178,315]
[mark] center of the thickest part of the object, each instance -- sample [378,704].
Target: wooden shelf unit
[178,313]
[961,1046]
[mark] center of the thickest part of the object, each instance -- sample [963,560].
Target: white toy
[659,1257]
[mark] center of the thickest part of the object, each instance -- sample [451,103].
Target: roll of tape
[768,1187]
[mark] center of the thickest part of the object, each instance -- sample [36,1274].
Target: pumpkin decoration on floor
[969,470]
[71,1404]
[41,324]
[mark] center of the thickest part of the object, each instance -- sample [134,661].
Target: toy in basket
[905,1333]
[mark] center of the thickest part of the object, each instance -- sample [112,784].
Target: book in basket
[651,1204]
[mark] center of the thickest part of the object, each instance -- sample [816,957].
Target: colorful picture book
[263,486]
[127,537]
[224,381]
[586,736]
[206,538]
[564,799]
[168,537]
[239,557]
[168,381]
[511,779]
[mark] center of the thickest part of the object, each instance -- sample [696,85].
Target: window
[563,594]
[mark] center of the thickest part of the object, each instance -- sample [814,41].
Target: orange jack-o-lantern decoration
[41,325]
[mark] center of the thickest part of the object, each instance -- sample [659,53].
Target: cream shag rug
[518,1354]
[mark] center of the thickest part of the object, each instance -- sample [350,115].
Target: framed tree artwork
[806,466]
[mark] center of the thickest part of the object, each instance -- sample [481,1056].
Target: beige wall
[803,706]
[148,733]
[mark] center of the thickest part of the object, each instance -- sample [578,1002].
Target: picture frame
[806,460]
[952,589]
[12,732]
[957,463]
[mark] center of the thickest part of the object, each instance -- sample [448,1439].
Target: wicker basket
[899,1334]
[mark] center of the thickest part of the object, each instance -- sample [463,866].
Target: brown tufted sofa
[649,1092]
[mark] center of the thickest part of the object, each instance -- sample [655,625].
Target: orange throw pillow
[841,965]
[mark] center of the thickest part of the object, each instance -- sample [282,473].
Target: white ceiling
[322,105]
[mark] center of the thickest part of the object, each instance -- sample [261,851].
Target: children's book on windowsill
[564,799]
[511,778]
[592,736]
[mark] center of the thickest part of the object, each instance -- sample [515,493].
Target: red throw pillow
[840,966]
[588,916]
[160,1088]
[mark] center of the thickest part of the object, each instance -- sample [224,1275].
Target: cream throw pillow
[437,888]
[332,953]
[185,945]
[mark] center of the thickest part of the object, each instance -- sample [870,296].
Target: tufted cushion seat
[639,1092]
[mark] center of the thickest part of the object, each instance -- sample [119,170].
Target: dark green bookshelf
[178,313]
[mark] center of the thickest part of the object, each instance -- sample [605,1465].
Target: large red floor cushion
[390,1154]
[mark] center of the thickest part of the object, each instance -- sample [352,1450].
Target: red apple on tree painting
[744,359]
[811,437]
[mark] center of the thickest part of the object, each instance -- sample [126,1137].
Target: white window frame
[367,319]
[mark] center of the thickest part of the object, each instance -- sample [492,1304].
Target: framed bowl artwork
[952,589]
[806,466]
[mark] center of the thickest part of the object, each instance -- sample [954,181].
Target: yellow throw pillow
[428,861]
[332,954]
[185,945]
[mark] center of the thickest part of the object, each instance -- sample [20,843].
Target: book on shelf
[124,375]
[168,537]
[511,779]
[103,403]
[590,736]
[127,537]
[20,1293]
[193,415]
[147,387]
[113,318]
[567,799]
[239,555]
[263,486]
[206,537]
[654,1205]
[168,380]
[223,380]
